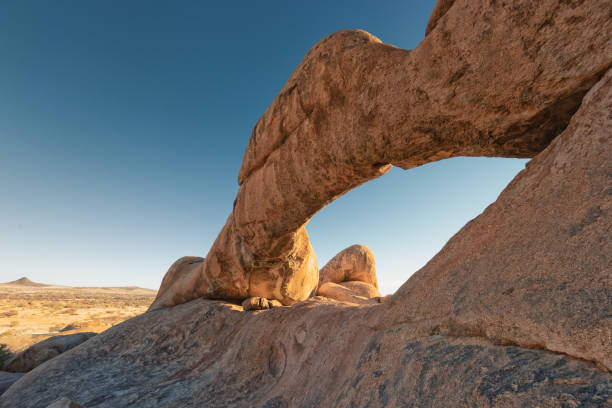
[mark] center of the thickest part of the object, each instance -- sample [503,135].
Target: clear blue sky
[123,125]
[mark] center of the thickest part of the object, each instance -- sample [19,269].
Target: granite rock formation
[38,353]
[350,276]
[355,263]
[328,353]
[489,79]
[7,379]
[64,402]
[515,310]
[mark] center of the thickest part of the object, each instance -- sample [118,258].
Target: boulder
[45,350]
[355,263]
[350,276]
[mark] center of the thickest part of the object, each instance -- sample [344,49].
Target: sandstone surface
[47,349]
[489,79]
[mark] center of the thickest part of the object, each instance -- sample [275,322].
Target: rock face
[7,379]
[64,402]
[489,79]
[355,263]
[514,311]
[47,349]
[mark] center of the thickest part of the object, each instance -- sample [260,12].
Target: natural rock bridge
[515,310]
[487,80]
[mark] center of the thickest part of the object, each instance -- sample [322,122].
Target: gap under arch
[406,217]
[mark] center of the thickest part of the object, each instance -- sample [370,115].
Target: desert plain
[31,312]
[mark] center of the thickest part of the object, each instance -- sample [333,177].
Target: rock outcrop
[355,263]
[514,311]
[64,402]
[535,268]
[45,350]
[489,79]
[324,353]
[7,379]
[350,276]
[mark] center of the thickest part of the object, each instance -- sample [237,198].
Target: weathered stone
[7,379]
[355,263]
[345,294]
[45,350]
[514,311]
[350,276]
[64,402]
[433,344]
[315,353]
[489,79]
[259,303]
[535,268]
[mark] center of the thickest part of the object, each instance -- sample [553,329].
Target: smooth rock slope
[45,350]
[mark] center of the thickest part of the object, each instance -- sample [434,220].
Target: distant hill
[25,282]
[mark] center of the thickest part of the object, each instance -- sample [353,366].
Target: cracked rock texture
[491,78]
[514,311]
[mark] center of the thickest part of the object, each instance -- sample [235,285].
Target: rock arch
[354,107]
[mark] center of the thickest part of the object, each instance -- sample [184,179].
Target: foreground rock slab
[7,379]
[317,353]
[64,402]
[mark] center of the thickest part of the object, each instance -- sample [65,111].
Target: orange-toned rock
[350,276]
[534,266]
[355,263]
[259,303]
[514,311]
[488,80]
[354,292]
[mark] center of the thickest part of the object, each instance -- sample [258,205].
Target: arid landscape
[31,312]
[514,311]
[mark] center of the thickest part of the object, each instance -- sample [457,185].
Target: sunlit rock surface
[489,79]
[514,311]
